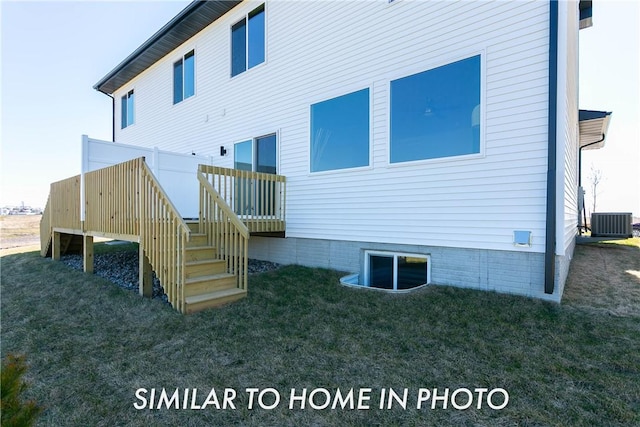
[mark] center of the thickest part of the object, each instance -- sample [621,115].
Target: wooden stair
[207,283]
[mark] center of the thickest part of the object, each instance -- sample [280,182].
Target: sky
[54,52]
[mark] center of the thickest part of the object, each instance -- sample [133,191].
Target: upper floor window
[248,42]
[126,109]
[184,77]
[436,113]
[340,132]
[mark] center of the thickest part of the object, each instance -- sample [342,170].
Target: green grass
[90,345]
[633,241]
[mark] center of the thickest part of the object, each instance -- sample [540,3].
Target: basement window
[396,271]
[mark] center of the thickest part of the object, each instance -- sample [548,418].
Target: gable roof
[190,21]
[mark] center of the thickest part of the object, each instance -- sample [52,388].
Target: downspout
[113,117]
[550,237]
[580,158]
[582,210]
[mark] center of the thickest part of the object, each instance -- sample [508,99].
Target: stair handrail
[242,228]
[224,231]
[258,198]
[174,211]
[168,257]
[127,201]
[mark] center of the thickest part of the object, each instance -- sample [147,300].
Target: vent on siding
[611,225]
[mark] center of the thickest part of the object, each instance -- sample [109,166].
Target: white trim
[338,94]
[483,108]
[245,17]
[562,124]
[191,48]
[253,140]
[126,96]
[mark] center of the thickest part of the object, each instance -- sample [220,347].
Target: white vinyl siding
[568,127]
[318,50]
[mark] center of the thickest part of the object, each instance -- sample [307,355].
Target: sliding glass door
[256,197]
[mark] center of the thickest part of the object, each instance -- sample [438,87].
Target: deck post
[145,280]
[55,245]
[87,253]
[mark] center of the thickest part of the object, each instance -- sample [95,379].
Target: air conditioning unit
[611,224]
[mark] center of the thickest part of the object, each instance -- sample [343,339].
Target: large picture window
[340,132]
[184,78]
[126,109]
[248,42]
[436,113]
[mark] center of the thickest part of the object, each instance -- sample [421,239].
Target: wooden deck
[201,264]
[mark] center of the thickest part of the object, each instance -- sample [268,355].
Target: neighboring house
[422,141]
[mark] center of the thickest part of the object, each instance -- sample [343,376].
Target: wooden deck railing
[224,230]
[163,236]
[45,229]
[112,199]
[64,199]
[127,200]
[258,199]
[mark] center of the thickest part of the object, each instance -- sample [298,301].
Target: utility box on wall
[611,224]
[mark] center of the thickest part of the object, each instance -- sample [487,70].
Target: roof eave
[186,24]
[594,126]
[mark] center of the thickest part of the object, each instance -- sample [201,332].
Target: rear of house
[422,142]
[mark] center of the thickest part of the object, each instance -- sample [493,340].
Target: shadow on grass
[92,345]
[605,277]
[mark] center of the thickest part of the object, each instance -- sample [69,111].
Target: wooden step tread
[205,261]
[197,248]
[214,295]
[209,277]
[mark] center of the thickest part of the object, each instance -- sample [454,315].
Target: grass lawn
[19,230]
[91,345]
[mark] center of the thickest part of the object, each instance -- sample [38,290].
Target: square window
[340,132]
[436,113]
[248,41]
[184,78]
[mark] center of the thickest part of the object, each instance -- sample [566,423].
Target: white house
[422,141]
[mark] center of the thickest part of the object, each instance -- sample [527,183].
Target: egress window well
[392,271]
